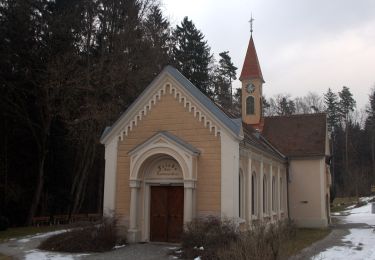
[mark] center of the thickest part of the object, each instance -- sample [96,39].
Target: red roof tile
[297,135]
[251,68]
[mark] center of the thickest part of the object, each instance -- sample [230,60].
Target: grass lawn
[4,257]
[24,231]
[339,204]
[304,238]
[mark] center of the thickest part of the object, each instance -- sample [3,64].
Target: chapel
[174,155]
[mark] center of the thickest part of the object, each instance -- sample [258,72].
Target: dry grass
[262,242]
[340,204]
[25,231]
[5,257]
[304,238]
[204,237]
[221,240]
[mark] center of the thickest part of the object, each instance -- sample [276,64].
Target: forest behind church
[69,68]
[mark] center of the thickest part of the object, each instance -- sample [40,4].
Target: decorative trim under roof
[186,93]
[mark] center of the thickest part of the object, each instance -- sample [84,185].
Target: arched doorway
[162,181]
[163,192]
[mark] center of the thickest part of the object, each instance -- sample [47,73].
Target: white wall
[307,192]
[110,177]
[229,175]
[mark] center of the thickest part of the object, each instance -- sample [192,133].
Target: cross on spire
[251,24]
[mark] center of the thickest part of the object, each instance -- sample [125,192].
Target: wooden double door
[166,214]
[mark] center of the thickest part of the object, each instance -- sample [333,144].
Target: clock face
[250,88]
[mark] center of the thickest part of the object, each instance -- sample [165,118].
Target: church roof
[256,139]
[297,135]
[251,68]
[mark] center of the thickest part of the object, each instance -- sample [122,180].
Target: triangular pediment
[165,138]
[171,81]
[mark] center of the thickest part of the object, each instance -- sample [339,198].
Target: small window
[250,109]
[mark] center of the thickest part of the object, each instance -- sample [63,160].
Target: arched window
[253,193]
[241,195]
[265,194]
[250,108]
[281,193]
[273,194]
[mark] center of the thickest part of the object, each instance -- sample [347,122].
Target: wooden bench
[94,217]
[60,219]
[41,221]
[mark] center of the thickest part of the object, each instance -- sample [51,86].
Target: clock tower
[252,81]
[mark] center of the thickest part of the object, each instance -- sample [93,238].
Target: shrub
[4,223]
[203,237]
[263,242]
[91,238]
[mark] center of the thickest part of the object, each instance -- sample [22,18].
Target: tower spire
[252,80]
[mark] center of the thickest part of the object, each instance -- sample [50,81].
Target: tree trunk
[81,176]
[38,189]
[346,147]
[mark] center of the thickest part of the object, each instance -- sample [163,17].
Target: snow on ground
[42,255]
[359,244]
[41,235]
[118,246]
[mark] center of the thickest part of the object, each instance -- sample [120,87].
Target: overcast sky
[302,45]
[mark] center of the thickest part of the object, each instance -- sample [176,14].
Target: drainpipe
[287,187]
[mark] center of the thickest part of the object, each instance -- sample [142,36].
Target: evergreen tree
[157,32]
[228,71]
[347,104]
[287,107]
[224,74]
[192,55]
[332,109]
[370,130]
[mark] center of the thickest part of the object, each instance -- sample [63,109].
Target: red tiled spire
[251,68]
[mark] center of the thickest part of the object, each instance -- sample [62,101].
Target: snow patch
[24,240]
[42,255]
[359,244]
[118,246]
[48,234]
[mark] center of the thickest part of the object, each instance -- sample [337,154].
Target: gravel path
[148,251]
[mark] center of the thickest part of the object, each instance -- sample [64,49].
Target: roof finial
[251,24]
